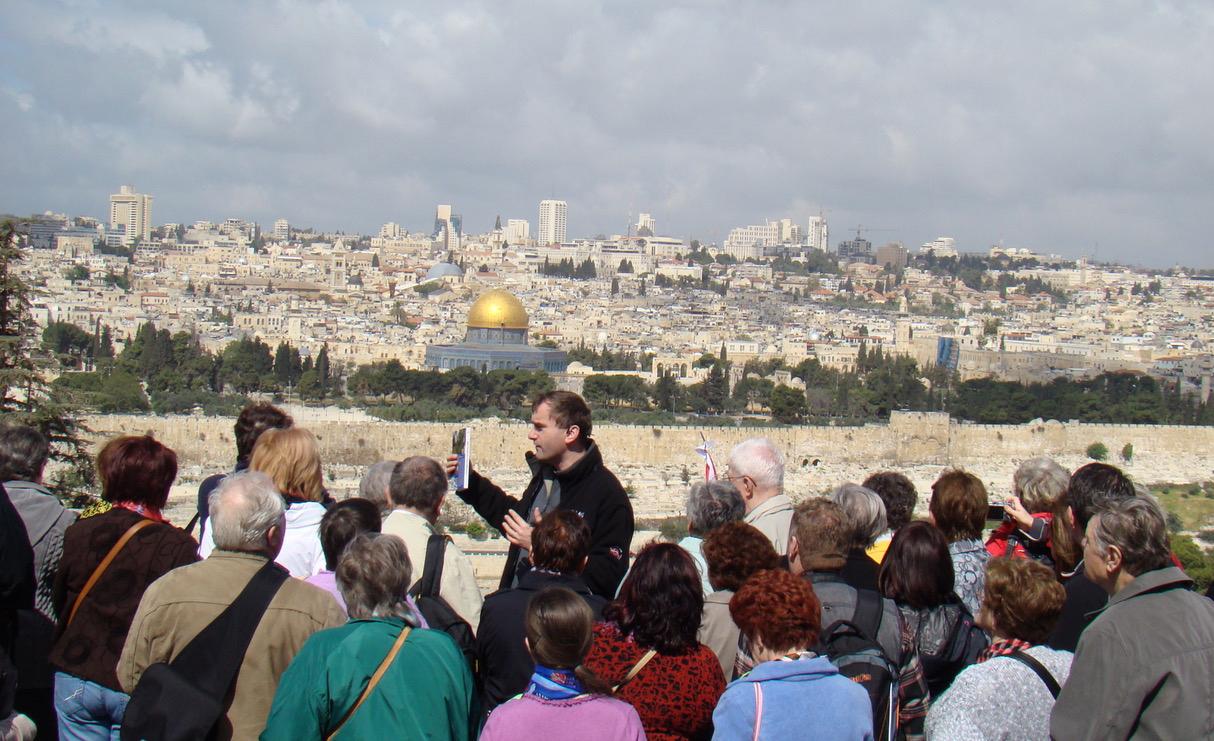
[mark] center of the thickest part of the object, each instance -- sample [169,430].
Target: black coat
[587,488]
[1084,601]
[505,664]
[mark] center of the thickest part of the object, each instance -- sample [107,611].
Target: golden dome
[497,309]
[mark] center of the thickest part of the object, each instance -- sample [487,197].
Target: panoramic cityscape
[606,371]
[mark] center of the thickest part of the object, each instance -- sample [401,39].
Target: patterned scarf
[142,509]
[554,684]
[1003,647]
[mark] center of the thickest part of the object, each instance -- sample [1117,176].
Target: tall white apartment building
[940,247]
[818,234]
[552,222]
[518,231]
[282,230]
[133,211]
[751,241]
[391,230]
[646,227]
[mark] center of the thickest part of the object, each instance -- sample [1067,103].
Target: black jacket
[505,664]
[1084,601]
[587,488]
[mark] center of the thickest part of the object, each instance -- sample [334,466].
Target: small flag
[710,468]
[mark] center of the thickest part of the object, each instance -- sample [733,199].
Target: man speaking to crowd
[567,472]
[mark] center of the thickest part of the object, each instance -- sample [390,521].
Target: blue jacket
[806,698]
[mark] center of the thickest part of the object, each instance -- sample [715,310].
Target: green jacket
[426,693]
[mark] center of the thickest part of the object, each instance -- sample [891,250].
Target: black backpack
[440,615]
[965,643]
[852,646]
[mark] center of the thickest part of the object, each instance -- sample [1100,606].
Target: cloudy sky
[1071,127]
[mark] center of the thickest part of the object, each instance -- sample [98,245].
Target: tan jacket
[773,518]
[181,603]
[718,632]
[458,585]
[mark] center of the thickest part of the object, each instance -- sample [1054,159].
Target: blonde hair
[290,457]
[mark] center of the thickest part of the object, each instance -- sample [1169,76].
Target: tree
[788,404]
[323,370]
[1097,451]
[1127,452]
[69,343]
[615,286]
[25,397]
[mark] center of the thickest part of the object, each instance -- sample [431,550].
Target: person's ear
[572,433]
[1114,558]
[794,555]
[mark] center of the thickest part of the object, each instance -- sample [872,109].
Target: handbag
[184,698]
[379,673]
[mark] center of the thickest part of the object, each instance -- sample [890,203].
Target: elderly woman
[735,551]
[563,699]
[1026,530]
[781,618]
[135,473]
[647,646]
[958,507]
[865,514]
[710,504]
[1003,696]
[291,458]
[425,689]
[917,574]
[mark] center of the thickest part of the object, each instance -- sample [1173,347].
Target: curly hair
[899,496]
[778,609]
[1022,598]
[560,542]
[661,600]
[958,505]
[734,552]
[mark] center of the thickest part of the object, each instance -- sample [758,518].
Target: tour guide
[567,472]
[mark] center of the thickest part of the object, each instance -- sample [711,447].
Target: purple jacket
[593,717]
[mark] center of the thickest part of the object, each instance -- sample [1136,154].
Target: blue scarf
[554,684]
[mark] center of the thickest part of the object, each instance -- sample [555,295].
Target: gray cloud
[1072,127]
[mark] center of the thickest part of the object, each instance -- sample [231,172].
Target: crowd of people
[279,613]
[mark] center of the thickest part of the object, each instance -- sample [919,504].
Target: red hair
[779,609]
[136,469]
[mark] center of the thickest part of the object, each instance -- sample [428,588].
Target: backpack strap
[378,675]
[105,564]
[214,656]
[868,614]
[432,569]
[1039,669]
[758,710]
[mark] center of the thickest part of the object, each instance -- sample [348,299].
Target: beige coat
[458,585]
[181,603]
[773,518]
[717,630]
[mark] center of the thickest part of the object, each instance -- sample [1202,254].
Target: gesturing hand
[516,529]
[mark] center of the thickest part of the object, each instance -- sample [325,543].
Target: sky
[1076,128]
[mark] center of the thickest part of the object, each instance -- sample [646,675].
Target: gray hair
[1138,527]
[374,576]
[711,504]
[865,513]
[243,508]
[418,483]
[760,459]
[23,453]
[1039,482]
[374,485]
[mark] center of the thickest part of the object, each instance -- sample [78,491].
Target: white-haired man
[247,520]
[756,468]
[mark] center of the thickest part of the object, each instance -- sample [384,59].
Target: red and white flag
[710,468]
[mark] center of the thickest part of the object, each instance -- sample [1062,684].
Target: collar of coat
[1158,580]
[587,464]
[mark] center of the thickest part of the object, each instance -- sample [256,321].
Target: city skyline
[1060,129]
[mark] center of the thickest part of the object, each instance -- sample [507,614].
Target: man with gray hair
[756,468]
[710,504]
[417,489]
[1143,666]
[374,485]
[247,520]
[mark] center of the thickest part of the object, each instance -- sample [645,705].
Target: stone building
[496,338]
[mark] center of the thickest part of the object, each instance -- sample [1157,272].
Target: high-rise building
[448,227]
[751,242]
[940,247]
[645,226]
[893,255]
[819,233]
[133,211]
[282,230]
[552,222]
[518,231]
[391,230]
